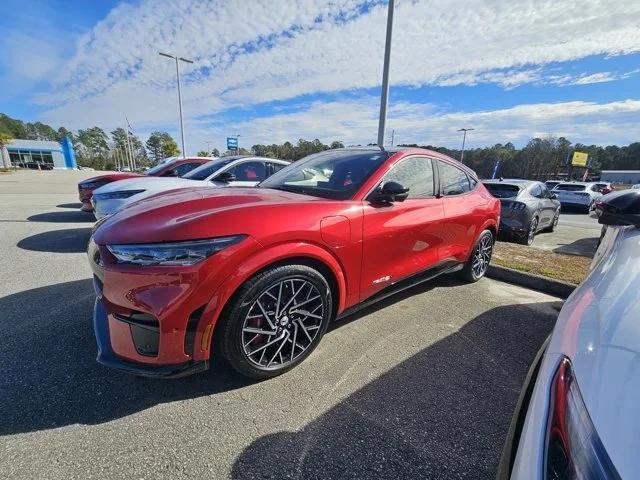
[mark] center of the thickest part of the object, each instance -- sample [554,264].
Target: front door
[403,238]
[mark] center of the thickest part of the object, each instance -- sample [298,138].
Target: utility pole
[384,94]
[130,143]
[464,138]
[176,58]
[393,134]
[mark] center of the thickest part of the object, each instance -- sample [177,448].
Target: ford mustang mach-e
[170,167]
[255,275]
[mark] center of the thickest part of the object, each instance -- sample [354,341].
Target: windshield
[502,190]
[160,166]
[209,168]
[570,187]
[334,174]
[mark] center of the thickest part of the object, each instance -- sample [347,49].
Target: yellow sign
[579,159]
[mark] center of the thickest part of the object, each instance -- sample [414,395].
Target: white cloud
[355,121]
[282,49]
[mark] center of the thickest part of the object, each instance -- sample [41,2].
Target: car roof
[514,181]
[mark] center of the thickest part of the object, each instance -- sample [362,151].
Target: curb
[533,282]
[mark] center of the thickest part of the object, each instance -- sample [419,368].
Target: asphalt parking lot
[420,386]
[576,234]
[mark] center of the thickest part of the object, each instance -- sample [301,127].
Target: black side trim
[510,448]
[404,284]
[190,332]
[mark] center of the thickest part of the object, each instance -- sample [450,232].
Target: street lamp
[464,138]
[384,95]
[176,58]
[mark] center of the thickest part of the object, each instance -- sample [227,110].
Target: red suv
[257,274]
[172,167]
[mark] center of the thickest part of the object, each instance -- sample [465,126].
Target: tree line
[540,158]
[93,146]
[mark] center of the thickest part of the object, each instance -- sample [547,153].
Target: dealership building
[34,153]
[630,177]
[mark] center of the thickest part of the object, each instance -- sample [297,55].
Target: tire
[482,251]
[263,304]
[554,223]
[531,233]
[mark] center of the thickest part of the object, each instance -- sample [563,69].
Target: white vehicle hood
[150,184]
[599,330]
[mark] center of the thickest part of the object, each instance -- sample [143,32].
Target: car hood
[599,330]
[155,184]
[192,213]
[110,177]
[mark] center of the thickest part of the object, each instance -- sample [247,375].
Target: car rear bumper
[513,226]
[106,355]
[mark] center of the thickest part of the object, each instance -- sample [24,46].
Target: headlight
[178,253]
[115,195]
[573,448]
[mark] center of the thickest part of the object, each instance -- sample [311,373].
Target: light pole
[176,58]
[384,95]
[208,142]
[464,138]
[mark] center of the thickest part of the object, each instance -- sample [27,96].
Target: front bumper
[85,195]
[106,355]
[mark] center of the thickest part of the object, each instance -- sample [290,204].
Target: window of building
[30,158]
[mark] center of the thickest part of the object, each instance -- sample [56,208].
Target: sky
[278,70]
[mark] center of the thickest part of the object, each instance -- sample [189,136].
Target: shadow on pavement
[49,374]
[69,205]
[71,240]
[443,413]
[63,217]
[584,247]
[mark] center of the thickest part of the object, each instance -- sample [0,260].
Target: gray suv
[528,207]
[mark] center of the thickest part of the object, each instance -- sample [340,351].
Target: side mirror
[225,177]
[619,208]
[390,192]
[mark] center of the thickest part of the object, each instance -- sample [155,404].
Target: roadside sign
[232,143]
[579,159]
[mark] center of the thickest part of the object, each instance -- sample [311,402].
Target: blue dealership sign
[232,143]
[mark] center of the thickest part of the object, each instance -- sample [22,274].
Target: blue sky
[282,70]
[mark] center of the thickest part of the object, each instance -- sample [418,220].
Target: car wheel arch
[307,254]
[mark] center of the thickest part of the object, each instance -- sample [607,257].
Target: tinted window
[545,192]
[276,167]
[536,191]
[186,168]
[335,174]
[503,190]
[160,166]
[209,168]
[416,174]
[453,181]
[249,172]
[570,187]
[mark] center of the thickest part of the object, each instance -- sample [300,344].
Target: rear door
[463,211]
[402,239]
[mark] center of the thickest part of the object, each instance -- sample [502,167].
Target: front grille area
[145,332]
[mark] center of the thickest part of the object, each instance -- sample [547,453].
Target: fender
[248,268]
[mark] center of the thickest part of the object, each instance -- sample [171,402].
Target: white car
[577,194]
[232,171]
[636,186]
[578,416]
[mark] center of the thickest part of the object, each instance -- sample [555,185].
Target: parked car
[604,187]
[263,271]
[551,184]
[170,167]
[577,194]
[232,171]
[577,417]
[636,186]
[527,208]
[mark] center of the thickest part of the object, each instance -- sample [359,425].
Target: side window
[414,173]
[185,168]
[453,181]
[249,172]
[472,182]
[536,191]
[545,192]
[275,167]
